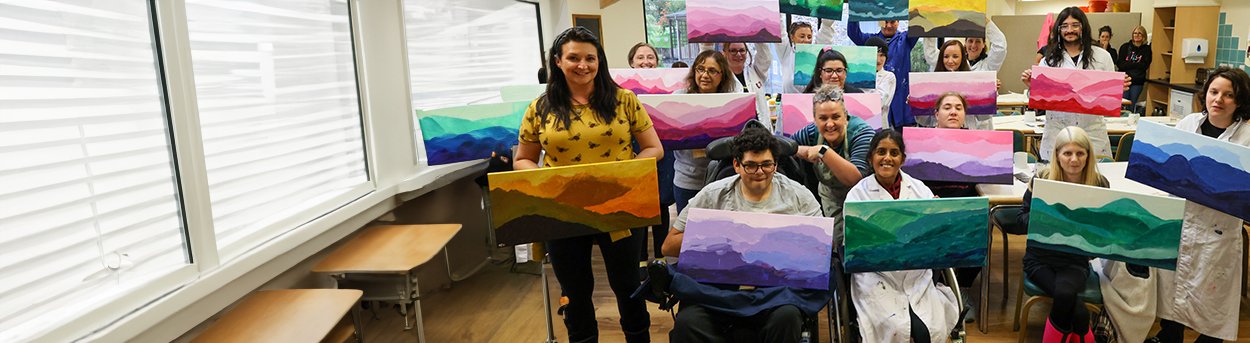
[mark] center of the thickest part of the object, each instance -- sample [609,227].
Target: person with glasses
[836,145]
[831,69]
[708,313]
[643,55]
[1134,60]
[584,117]
[898,62]
[798,32]
[710,74]
[897,306]
[749,79]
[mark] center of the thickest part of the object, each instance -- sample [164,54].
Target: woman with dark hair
[583,117]
[954,57]
[710,74]
[643,55]
[1104,41]
[753,75]
[897,306]
[1202,292]
[831,68]
[975,54]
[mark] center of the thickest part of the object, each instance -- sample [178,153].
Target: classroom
[625,171]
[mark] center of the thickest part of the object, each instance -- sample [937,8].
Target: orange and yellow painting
[560,202]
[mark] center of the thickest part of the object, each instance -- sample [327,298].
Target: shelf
[1164,103]
[1168,54]
[1169,27]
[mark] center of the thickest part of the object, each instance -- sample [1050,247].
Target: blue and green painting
[464,133]
[1101,222]
[824,9]
[860,73]
[890,235]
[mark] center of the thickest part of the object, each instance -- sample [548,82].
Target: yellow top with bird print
[588,139]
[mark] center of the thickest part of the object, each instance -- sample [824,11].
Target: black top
[1134,61]
[1210,130]
[947,189]
[1114,57]
[1036,256]
[742,79]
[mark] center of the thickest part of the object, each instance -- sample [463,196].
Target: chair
[1005,218]
[1017,141]
[1125,147]
[1092,296]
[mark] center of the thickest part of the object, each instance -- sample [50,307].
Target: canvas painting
[715,21]
[691,121]
[861,71]
[463,133]
[1201,169]
[525,93]
[757,249]
[976,156]
[866,106]
[1078,91]
[876,10]
[1101,222]
[890,235]
[946,18]
[980,88]
[559,202]
[650,80]
[796,112]
[826,9]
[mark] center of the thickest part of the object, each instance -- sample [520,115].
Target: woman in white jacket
[1202,293]
[899,306]
[964,61]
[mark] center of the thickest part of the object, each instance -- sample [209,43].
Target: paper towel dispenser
[1194,50]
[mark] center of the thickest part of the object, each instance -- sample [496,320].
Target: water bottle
[806,338]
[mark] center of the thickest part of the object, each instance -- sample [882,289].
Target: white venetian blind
[89,211]
[278,104]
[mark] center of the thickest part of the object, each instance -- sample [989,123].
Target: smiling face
[889,28]
[950,113]
[1221,101]
[1070,30]
[1139,36]
[975,46]
[830,119]
[952,58]
[736,53]
[1072,158]
[707,75]
[886,159]
[579,61]
[802,35]
[756,169]
[644,58]
[833,72]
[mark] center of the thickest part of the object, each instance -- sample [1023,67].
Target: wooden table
[389,254]
[1020,102]
[288,315]
[1033,130]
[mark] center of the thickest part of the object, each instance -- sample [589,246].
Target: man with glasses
[708,312]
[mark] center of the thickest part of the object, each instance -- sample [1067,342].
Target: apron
[832,192]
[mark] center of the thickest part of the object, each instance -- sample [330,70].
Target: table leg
[360,328]
[415,298]
[983,308]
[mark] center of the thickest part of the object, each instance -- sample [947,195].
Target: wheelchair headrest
[722,148]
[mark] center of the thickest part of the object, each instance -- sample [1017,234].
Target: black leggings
[1173,332]
[570,259]
[658,234]
[1064,284]
[919,332]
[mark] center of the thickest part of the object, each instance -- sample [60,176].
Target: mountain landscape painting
[946,18]
[890,235]
[691,121]
[861,70]
[559,202]
[796,112]
[1200,169]
[650,80]
[463,133]
[1093,92]
[980,88]
[757,249]
[976,156]
[1102,222]
[825,9]
[874,10]
[716,21]
[866,106]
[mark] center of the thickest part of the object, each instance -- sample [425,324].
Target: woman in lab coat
[899,306]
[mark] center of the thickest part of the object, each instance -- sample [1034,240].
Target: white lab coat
[886,82]
[882,299]
[1202,293]
[1094,125]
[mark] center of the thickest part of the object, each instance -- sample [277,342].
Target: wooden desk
[1033,130]
[389,253]
[288,315]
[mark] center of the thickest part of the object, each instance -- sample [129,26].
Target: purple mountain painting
[976,156]
[650,80]
[710,21]
[691,121]
[758,249]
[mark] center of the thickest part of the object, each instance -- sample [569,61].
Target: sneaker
[972,314]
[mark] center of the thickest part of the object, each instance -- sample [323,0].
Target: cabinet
[1171,26]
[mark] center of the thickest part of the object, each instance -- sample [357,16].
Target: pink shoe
[1075,338]
[1052,335]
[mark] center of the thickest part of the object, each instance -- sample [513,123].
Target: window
[89,208]
[276,89]
[666,31]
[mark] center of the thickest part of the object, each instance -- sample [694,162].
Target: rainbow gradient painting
[796,112]
[866,106]
[691,121]
[946,18]
[825,9]
[650,80]
[975,156]
[543,204]
[861,71]
[463,133]
[1093,92]
[1107,223]
[715,21]
[757,249]
[980,88]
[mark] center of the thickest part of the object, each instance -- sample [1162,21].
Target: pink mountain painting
[796,112]
[691,121]
[978,87]
[866,106]
[712,21]
[651,80]
[976,156]
[1077,91]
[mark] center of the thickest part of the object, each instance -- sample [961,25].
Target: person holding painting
[831,68]
[710,74]
[1202,293]
[643,55]
[1063,275]
[898,62]
[886,82]
[836,144]
[584,117]
[899,305]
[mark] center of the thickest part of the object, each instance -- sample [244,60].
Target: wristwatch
[823,149]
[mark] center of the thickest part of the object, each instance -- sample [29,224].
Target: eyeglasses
[833,71]
[737,51]
[1073,26]
[752,167]
[708,71]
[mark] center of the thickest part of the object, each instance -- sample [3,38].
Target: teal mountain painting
[895,235]
[1100,222]
[472,132]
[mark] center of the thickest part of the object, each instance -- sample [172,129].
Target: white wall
[1048,6]
[622,25]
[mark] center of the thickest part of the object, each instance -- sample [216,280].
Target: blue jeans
[1132,94]
[683,197]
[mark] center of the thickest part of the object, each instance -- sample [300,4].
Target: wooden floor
[497,305]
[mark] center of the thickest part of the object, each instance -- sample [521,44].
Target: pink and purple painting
[650,80]
[691,121]
[757,249]
[796,112]
[714,21]
[866,106]
[976,156]
[1078,91]
[980,88]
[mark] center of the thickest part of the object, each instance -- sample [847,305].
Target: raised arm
[931,54]
[825,35]
[855,34]
[998,47]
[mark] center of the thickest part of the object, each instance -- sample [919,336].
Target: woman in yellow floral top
[584,117]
